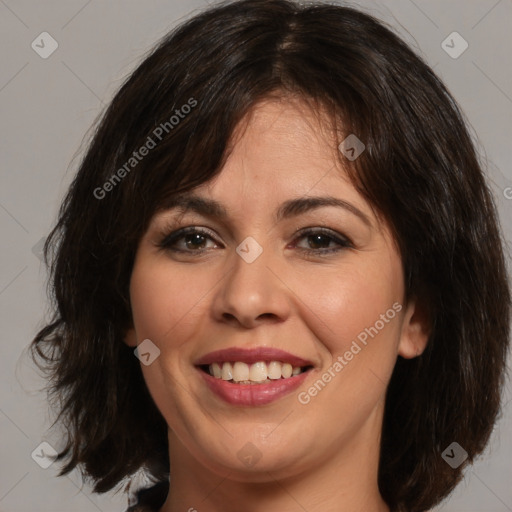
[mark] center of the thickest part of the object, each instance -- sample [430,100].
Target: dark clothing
[150,499]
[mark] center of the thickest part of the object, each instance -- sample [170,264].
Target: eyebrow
[291,208]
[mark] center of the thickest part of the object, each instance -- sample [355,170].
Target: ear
[416,330]
[130,337]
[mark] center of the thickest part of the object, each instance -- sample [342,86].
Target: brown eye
[187,240]
[323,237]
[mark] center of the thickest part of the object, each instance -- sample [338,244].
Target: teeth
[274,370]
[258,372]
[216,370]
[286,370]
[240,371]
[227,371]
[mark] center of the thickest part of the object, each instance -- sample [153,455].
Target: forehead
[281,151]
[286,129]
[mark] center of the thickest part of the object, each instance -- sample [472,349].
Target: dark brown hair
[419,171]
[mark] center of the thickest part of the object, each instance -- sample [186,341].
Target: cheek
[150,305]
[353,302]
[164,302]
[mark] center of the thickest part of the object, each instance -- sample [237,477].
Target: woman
[282,216]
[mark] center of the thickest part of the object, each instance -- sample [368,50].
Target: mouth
[261,372]
[251,377]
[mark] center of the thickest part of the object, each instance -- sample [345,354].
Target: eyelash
[169,240]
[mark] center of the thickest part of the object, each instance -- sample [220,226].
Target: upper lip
[251,355]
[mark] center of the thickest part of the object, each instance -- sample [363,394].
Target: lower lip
[253,394]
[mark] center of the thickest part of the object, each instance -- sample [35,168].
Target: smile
[256,373]
[249,377]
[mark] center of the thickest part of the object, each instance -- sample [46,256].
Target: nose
[252,293]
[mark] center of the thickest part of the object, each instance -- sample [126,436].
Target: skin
[318,456]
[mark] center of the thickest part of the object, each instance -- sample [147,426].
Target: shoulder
[149,499]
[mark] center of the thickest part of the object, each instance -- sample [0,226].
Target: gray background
[48,105]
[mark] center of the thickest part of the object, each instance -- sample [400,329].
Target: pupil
[195,238]
[317,239]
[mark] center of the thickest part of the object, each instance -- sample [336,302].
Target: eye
[323,237]
[193,241]
[189,240]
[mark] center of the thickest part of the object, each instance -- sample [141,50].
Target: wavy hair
[420,172]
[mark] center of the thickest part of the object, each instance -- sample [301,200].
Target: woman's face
[254,282]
